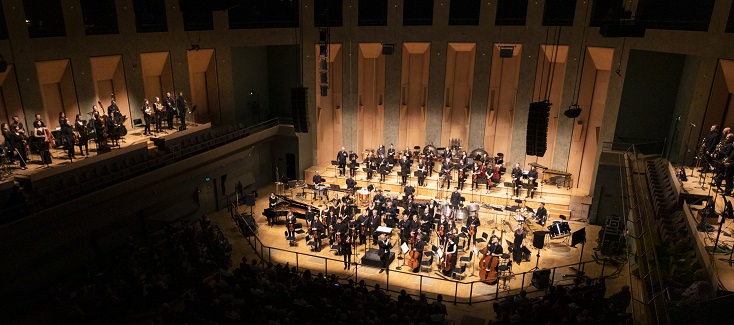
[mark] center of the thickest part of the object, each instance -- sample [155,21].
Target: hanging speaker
[250,200]
[299,109]
[537,132]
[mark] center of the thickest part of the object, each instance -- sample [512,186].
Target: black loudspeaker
[506,51]
[299,109]
[537,133]
[538,239]
[388,49]
[250,200]
[541,279]
[623,29]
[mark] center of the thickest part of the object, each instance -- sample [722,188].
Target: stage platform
[571,203]
[556,255]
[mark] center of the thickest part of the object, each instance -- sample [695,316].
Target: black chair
[458,271]
[427,264]
[483,239]
[467,260]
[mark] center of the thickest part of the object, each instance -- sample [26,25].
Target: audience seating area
[681,272]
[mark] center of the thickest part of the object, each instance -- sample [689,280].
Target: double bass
[414,261]
[488,266]
[447,264]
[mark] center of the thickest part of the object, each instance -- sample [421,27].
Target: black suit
[341,158]
[532,182]
[384,252]
[541,215]
[455,199]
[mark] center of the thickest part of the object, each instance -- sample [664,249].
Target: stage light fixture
[573,111]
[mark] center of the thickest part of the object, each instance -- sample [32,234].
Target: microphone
[693,125]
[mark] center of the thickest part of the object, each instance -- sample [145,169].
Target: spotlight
[573,111]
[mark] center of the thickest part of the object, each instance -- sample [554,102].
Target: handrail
[259,248]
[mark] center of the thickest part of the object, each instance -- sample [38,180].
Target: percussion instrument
[363,195]
[445,208]
[473,207]
[559,229]
[460,214]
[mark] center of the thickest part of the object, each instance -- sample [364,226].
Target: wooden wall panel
[371,92]
[458,91]
[328,108]
[413,94]
[203,81]
[157,74]
[10,97]
[503,82]
[58,92]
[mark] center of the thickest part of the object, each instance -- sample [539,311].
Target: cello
[415,255]
[488,266]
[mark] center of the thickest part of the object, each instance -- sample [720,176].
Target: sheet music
[404,248]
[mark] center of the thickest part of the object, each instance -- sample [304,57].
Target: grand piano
[284,206]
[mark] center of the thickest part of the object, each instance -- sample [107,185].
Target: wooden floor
[556,253]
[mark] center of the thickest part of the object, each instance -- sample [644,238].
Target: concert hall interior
[368,161]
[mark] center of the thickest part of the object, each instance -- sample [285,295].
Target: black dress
[517,251]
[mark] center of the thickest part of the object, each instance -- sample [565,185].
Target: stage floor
[556,253]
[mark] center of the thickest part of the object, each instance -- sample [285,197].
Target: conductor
[384,252]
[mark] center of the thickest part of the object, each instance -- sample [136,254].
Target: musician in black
[472,226]
[518,242]
[415,226]
[451,248]
[382,168]
[422,169]
[709,146]
[17,123]
[370,165]
[442,229]
[42,142]
[722,153]
[67,138]
[384,252]
[391,214]
[113,111]
[381,151]
[81,129]
[404,169]
[541,214]
[182,107]
[430,162]
[378,199]
[290,225]
[169,104]
[729,171]
[419,246]
[404,226]
[345,248]
[376,223]
[445,173]
[351,183]
[462,178]
[455,198]
[158,111]
[364,223]
[315,230]
[341,159]
[273,201]
[532,181]
[494,248]
[409,190]
[353,164]
[407,153]
[317,182]
[410,206]
[17,144]
[147,116]
[517,179]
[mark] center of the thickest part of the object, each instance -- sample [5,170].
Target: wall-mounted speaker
[506,51]
[299,109]
[537,132]
[388,49]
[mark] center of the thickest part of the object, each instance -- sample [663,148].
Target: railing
[651,147]
[643,262]
[472,291]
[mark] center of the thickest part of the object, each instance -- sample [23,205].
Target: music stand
[335,164]
[538,243]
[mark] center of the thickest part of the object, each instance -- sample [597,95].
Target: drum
[445,208]
[461,214]
[363,195]
[473,207]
